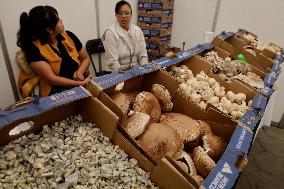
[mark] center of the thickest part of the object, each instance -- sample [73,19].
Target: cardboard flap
[35,123]
[269,80]
[241,140]
[94,89]
[276,66]
[94,111]
[225,46]
[45,104]
[267,90]
[197,64]
[109,80]
[241,32]
[239,87]
[223,175]
[186,106]
[250,120]
[197,49]
[166,170]
[149,5]
[214,115]
[225,35]
[259,102]
[180,56]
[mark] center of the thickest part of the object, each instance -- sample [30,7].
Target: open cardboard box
[166,167]
[197,64]
[223,54]
[266,52]
[56,108]
[235,46]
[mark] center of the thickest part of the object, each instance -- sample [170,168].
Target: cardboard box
[154,26]
[223,54]
[235,46]
[157,40]
[155,16]
[159,46]
[155,4]
[56,108]
[197,64]
[166,167]
[266,52]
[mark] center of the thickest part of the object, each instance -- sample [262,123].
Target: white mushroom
[211,82]
[235,107]
[240,97]
[213,100]
[249,103]
[185,89]
[231,96]
[223,99]
[219,91]
[195,97]
[202,104]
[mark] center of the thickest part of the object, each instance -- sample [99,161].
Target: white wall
[264,18]
[191,19]
[6,92]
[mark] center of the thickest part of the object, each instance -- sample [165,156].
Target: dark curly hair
[34,25]
[120,4]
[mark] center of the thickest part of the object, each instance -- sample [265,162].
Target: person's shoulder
[110,32]
[136,29]
[70,34]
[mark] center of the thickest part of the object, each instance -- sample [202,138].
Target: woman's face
[124,16]
[59,28]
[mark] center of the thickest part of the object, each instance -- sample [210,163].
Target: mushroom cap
[124,101]
[164,97]
[187,127]
[136,124]
[146,102]
[215,146]
[204,128]
[160,140]
[203,163]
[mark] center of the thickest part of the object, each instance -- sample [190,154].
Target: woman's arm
[44,70]
[111,51]
[85,63]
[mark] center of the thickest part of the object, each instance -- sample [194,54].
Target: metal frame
[98,30]
[8,64]
[217,10]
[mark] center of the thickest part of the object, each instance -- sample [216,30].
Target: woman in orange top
[56,56]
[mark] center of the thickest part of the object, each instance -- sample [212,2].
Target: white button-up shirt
[124,47]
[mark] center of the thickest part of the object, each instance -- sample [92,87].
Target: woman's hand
[78,75]
[87,80]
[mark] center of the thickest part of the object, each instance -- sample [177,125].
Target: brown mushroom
[159,140]
[146,102]
[203,163]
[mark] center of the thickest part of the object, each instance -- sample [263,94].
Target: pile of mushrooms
[229,70]
[204,90]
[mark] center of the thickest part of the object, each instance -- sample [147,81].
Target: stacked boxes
[155,18]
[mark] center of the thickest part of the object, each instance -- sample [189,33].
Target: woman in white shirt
[124,42]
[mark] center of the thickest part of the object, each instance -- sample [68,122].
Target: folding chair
[95,46]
